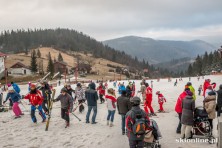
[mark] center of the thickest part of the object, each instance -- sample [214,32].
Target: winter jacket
[121,88]
[206,84]
[210,106]
[16,87]
[66,101]
[149,94]
[91,97]
[111,102]
[35,99]
[193,91]
[123,105]
[44,90]
[161,98]
[80,94]
[15,97]
[130,120]
[188,107]
[101,90]
[178,106]
[70,91]
[128,91]
[219,101]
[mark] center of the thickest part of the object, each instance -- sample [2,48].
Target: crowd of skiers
[135,120]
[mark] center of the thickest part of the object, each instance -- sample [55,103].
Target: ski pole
[76,116]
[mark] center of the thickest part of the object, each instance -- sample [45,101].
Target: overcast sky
[106,19]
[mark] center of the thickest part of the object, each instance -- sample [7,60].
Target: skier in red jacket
[36,99]
[205,86]
[161,100]
[102,91]
[148,102]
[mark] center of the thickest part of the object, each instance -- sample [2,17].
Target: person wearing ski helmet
[219,101]
[35,98]
[46,93]
[80,96]
[15,98]
[66,105]
[132,116]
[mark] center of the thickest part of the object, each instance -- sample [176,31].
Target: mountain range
[159,51]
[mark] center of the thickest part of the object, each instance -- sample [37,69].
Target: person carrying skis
[36,99]
[15,97]
[80,96]
[66,105]
[148,102]
[101,90]
[46,93]
[137,122]
[161,100]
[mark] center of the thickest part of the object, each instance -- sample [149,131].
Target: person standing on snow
[15,87]
[80,96]
[111,105]
[178,108]
[200,89]
[189,85]
[36,99]
[205,86]
[161,100]
[187,118]
[121,88]
[66,105]
[132,117]
[123,106]
[91,97]
[129,90]
[148,102]
[15,97]
[46,93]
[102,91]
[219,101]
[143,90]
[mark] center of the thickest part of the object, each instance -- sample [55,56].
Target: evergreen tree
[190,70]
[38,53]
[60,58]
[33,62]
[50,67]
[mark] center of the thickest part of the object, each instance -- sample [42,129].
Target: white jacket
[111,102]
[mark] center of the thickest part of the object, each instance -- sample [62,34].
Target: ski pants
[179,124]
[136,143]
[81,107]
[161,106]
[41,113]
[44,102]
[16,109]
[101,98]
[65,114]
[147,105]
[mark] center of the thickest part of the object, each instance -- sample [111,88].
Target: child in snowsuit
[35,98]
[46,93]
[101,90]
[15,97]
[161,100]
[66,105]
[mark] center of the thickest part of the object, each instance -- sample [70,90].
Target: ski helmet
[189,83]
[146,84]
[79,84]
[135,101]
[158,92]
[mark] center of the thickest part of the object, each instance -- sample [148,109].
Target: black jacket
[219,98]
[123,105]
[91,97]
[46,90]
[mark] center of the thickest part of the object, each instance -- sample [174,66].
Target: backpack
[139,127]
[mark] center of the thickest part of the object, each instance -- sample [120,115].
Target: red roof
[2,54]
